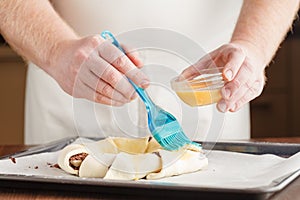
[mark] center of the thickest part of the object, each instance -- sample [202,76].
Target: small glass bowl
[202,90]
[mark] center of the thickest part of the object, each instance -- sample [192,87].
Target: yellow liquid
[200,98]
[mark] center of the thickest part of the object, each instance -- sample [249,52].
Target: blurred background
[276,113]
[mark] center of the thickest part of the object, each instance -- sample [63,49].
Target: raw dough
[129,159]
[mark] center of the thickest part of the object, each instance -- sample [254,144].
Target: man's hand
[243,73]
[260,29]
[84,67]
[95,69]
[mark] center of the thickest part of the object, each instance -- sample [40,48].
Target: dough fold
[129,159]
[179,162]
[133,167]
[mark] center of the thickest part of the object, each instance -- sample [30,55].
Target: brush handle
[141,92]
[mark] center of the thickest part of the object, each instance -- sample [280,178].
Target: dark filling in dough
[76,160]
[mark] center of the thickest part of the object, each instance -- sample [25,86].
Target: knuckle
[130,93]
[106,90]
[248,86]
[112,77]
[238,49]
[235,84]
[75,71]
[139,74]
[99,98]
[234,49]
[104,50]
[235,52]
[95,41]
[81,55]
[225,46]
[134,73]
[121,61]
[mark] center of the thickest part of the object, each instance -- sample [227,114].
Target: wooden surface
[292,191]
[276,112]
[12,89]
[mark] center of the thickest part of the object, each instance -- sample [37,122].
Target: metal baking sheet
[156,189]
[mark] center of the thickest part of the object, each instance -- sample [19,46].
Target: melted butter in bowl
[202,90]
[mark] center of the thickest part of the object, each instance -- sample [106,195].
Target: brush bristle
[175,141]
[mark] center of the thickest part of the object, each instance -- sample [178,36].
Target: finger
[103,70]
[84,91]
[244,75]
[99,98]
[118,81]
[105,89]
[102,87]
[207,61]
[234,60]
[92,41]
[249,95]
[133,55]
[222,106]
[231,102]
[194,70]
[255,84]
[122,63]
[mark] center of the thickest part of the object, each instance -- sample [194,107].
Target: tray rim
[141,184]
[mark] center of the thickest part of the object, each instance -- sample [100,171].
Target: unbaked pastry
[129,159]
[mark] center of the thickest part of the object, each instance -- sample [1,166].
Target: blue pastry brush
[163,126]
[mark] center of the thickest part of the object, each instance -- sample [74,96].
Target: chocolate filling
[157,153]
[76,160]
[12,159]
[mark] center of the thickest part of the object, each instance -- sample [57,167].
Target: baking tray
[156,190]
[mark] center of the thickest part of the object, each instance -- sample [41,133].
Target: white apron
[52,114]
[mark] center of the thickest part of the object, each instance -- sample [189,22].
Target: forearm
[263,24]
[33,29]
